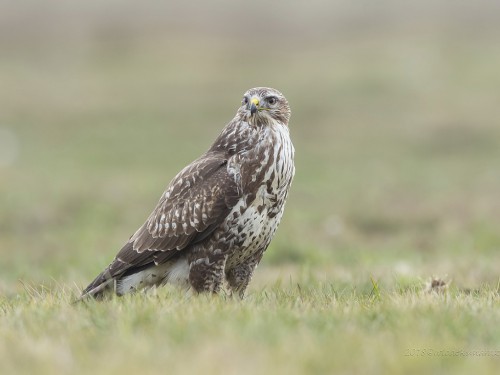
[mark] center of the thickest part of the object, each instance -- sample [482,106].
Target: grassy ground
[397,133]
[288,328]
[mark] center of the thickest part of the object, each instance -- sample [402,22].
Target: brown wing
[196,201]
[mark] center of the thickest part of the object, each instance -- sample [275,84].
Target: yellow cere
[255,101]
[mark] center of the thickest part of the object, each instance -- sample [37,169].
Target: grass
[287,328]
[397,149]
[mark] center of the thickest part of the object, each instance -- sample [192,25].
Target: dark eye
[245,100]
[272,100]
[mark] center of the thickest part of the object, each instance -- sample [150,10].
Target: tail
[127,262]
[103,282]
[106,279]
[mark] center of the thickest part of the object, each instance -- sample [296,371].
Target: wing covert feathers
[195,202]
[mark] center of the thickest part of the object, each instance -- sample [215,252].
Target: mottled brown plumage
[219,214]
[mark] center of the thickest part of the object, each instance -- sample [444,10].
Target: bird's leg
[239,277]
[206,270]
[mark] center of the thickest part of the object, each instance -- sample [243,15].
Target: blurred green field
[396,124]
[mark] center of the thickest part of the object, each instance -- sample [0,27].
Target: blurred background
[395,120]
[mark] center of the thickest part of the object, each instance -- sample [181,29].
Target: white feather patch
[176,272]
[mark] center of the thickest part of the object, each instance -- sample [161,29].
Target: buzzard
[216,218]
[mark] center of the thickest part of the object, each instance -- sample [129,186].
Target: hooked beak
[254,105]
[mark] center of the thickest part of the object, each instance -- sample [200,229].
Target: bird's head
[263,105]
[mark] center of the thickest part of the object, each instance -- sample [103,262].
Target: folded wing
[195,203]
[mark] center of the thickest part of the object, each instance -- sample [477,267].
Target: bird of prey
[216,218]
